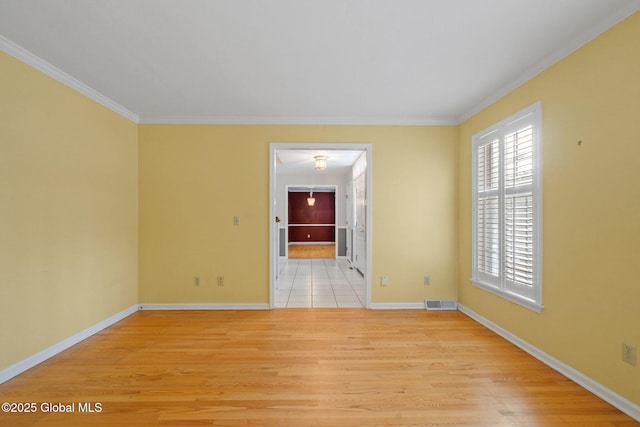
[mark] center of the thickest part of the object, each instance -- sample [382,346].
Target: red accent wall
[322,212]
[311,234]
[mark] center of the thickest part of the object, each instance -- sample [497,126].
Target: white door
[360,226]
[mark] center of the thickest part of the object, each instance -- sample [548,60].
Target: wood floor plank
[318,251]
[306,367]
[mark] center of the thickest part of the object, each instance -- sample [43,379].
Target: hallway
[319,283]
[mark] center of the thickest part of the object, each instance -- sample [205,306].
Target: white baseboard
[594,387]
[397,306]
[47,353]
[204,307]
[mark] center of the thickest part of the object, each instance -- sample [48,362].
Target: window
[507,208]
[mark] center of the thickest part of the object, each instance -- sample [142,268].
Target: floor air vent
[440,304]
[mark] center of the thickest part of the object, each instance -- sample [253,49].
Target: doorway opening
[311,222]
[346,176]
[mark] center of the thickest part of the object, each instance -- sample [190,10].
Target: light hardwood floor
[302,367]
[312,251]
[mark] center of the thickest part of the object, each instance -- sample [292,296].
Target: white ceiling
[300,161]
[300,61]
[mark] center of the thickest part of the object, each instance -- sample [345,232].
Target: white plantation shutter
[506,219]
[488,235]
[518,247]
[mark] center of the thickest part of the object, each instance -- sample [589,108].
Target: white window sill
[517,299]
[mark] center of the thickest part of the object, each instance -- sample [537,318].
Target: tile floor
[319,283]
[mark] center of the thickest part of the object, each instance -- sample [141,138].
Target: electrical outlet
[236,220]
[427,280]
[629,353]
[384,280]
[196,281]
[220,280]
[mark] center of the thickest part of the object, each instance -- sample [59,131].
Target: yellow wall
[195,178]
[68,212]
[70,173]
[591,210]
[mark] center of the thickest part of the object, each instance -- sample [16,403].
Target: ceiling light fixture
[321,162]
[311,200]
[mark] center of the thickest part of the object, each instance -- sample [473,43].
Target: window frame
[527,296]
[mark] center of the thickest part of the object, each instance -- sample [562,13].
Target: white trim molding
[557,55]
[203,307]
[492,191]
[59,347]
[397,305]
[274,229]
[47,353]
[578,377]
[43,66]
[295,120]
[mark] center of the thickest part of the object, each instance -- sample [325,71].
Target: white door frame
[273,226]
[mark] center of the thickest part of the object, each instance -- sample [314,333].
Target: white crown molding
[213,120]
[578,377]
[47,353]
[563,51]
[559,54]
[41,65]
[239,306]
